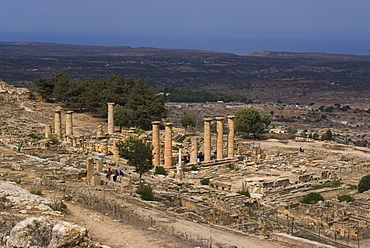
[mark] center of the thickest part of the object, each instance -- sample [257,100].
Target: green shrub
[345,198]
[204,181]
[194,168]
[312,198]
[336,184]
[160,170]
[351,186]
[36,190]
[364,184]
[54,139]
[244,192]
[34,136]
[146,192]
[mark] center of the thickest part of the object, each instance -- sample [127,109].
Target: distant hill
[261,75]
[325,56]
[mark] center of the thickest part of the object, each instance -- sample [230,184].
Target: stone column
[168,146]
[58,123]
[104,147]
[47,131]
[179,172]
[115,150]
[220,137]
[207,139]
[194,153]
[156,143]
[110,117]
[230,136]
[69,123]
[99,166]
[89,168]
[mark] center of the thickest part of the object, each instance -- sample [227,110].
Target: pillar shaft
[110,117]
[230,137]
[89,168]
[99,166]
[69,123]
[207,139]
[220,136]
[156,143]
[194,154]
[47,131]
[58,124]
[168,146]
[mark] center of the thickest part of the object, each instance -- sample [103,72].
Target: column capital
[57,111]
[220,118]
[232,117]
[69,112]
[156,122]
[110,103]
[169,124]
[207,119]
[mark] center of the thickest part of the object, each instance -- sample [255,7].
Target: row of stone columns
[167,144]
[69,121]
[58,123]
[220,133]
[207,141]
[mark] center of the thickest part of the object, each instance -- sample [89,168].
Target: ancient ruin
[249,187]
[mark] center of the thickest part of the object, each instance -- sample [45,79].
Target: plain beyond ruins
[277,174]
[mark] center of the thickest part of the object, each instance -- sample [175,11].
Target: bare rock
[43,232]
[16,167]
[34,231]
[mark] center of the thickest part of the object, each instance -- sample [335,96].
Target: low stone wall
[297,242]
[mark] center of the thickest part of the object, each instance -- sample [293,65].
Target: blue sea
[242,45]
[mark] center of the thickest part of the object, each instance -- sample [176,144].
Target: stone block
[95,181]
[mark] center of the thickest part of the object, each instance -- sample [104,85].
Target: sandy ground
[116,234]
[348,150]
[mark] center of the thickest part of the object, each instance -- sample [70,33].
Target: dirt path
[114,233]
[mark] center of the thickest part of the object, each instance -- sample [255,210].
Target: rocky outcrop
[43,232]
[40,230]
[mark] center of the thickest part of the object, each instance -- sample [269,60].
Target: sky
[236,26]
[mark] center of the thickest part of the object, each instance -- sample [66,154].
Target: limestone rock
[31,232]
[16,167]
[43,232]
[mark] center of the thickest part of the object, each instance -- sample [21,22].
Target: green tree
[146,103]
[139,103]
[63,85]
[187,121]
[138,153]
[328,135]
[312,198]
[364,184]
[249,120]
[44,87]
[123,117]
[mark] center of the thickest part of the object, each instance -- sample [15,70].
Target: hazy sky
[239,26]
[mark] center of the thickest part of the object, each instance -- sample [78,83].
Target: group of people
[116,176]
[200,157]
